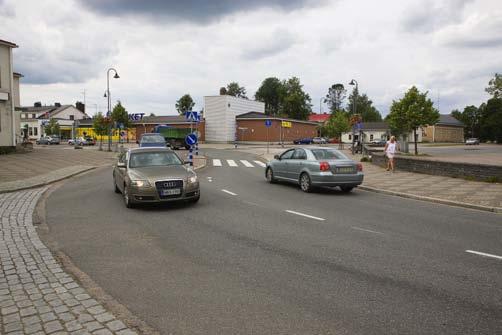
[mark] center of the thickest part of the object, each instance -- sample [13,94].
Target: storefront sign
[136,116]
[286,124]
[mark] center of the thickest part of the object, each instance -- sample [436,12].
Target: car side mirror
[121,165]
[277,157]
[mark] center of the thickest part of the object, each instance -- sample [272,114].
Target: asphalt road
[238,263]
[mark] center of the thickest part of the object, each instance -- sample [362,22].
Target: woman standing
[390,151]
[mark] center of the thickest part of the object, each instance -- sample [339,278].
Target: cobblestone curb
[44,179]
[36,295]
[430,199]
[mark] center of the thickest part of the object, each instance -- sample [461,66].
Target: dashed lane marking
[216,162]
[228,192]
[305,215]
[367,230]
[483,254]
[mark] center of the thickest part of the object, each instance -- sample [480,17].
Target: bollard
[190,156]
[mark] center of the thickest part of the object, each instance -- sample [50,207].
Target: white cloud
[66,48]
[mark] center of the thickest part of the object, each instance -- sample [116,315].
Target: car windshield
[152,139]
[145,159]
[321,154]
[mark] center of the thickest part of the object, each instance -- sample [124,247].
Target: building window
[35,131]
[371,137]
[33,116]
[350,137]
[30,131]
[72,117]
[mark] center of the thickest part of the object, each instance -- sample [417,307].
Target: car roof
[149,149]
[151,134]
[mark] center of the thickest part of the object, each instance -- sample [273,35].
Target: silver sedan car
[315,167]
[146,175]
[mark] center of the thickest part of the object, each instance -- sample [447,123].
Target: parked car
[315,167]
[378,143]
[48,140]
[333,140]
[319,140]
[150,175]
[152,140]
[306,140]
[90,141]
[472,141]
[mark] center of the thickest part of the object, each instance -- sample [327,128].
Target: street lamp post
[107,95]
[354,82]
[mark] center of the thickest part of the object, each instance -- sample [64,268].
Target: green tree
[235,90]
[364,107]
[296,103]
[100,125]
[271,92]
[471,118]
[120,115]
[52,128]
[414,110]
[338,123]
[336,94]
[184,104]
[491,120]
[495,86]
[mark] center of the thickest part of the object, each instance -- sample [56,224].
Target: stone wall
[482,172]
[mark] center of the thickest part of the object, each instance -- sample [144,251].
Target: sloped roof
[319,117]
[9,44]
[448,120]
[375,126]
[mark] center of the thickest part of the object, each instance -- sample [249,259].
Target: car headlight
[140,183]
[192,179]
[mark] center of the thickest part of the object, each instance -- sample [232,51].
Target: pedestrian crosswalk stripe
[231,163]
[246,163]
[260,163]
[216,162]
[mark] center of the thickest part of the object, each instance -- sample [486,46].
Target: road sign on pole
[268,123]
[191,139]
[191,115]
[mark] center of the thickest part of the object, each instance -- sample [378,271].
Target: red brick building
[251,128]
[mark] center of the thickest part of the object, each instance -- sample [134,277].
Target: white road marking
[483,254]
[216,162]
[260,163]
[210,179]
[305,215]
[231,193]
[367,230]
[231,163]
[246,163]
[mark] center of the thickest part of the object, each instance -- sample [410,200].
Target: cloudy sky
[163,49]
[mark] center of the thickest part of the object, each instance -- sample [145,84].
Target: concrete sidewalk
[439,189]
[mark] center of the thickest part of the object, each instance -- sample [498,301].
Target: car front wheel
[127,198]
[270,175]
[305,183]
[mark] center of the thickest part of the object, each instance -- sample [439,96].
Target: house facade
[9,94]
[375,131]
[36,117]
[447,129]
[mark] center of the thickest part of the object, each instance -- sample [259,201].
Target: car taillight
[359,167]
[324,166]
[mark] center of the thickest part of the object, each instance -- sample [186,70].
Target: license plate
[345,170]
[173,191]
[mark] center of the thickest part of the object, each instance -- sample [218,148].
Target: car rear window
[144,159]
[153,139]
[321,154]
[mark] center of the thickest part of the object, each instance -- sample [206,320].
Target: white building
[8,96]
[374,131]
[37,116]
[220,112]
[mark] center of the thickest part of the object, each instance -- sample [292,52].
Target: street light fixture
[354,97]
[107,95]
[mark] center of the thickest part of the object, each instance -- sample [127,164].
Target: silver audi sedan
[315,167]
[146,175]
